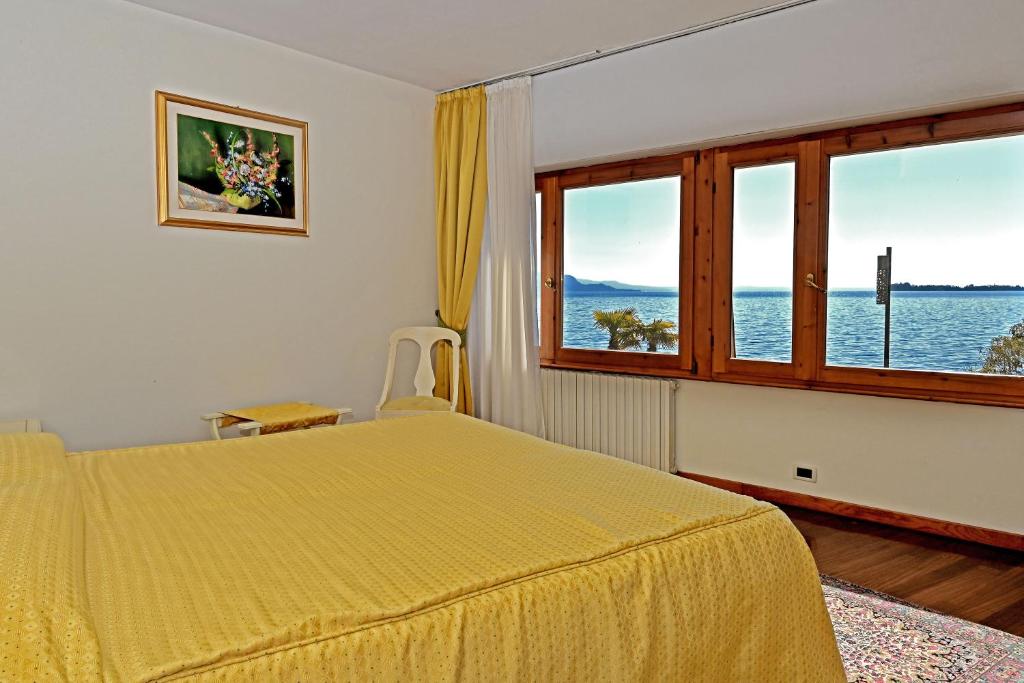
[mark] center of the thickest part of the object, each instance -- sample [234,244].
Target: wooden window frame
[935,385]
[705,263]
[552,187]
[801,366]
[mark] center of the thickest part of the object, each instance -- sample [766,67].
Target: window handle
[549,283]
[809,281]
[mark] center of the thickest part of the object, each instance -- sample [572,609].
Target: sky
[627,232]
[762,214]
[953,214]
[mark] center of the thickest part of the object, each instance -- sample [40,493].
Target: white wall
[115,331]
[955,462]
[814,66]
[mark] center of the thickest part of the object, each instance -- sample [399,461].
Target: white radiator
[632,418]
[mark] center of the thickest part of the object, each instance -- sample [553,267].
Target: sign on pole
[883,294]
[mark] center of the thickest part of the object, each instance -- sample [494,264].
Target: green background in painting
[195,163]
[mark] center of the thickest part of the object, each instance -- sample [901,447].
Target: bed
[430,548]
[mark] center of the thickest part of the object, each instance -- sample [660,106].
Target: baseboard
[937,527]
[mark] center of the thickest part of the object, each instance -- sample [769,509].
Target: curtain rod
[599,54]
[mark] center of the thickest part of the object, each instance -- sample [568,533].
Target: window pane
[621,266]
[954,216]
[762,261]
[537,246]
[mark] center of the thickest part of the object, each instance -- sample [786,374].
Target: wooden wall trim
[928,525]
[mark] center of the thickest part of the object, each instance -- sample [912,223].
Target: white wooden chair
[424,401]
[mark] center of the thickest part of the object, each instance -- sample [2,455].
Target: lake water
[930,330]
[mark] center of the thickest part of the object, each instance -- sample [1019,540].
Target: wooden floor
[971,581]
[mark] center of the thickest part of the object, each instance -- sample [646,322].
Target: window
[884,259]
[764,199]
[538,241]
[619,300]
[950,220]
[620,260]
[757,229]
[946,194]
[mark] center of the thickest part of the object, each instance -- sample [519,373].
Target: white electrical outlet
[805,473]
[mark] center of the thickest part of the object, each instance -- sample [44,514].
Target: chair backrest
[425,338]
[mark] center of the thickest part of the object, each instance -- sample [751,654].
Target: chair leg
[250,428]
[216,422]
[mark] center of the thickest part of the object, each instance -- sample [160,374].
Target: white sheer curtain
[503,336]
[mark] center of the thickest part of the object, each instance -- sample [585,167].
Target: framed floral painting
[227,168]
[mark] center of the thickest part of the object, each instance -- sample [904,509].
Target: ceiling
[441,44]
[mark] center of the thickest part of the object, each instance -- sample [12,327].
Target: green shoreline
[907,287]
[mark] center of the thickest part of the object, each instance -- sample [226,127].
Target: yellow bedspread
[426,548]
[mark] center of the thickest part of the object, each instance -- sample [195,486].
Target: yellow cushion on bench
[280,417]
[417,403]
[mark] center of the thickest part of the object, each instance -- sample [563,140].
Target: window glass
[621,266]
[538,228]
[762,266]
[953,215]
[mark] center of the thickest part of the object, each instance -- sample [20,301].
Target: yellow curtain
[460,187]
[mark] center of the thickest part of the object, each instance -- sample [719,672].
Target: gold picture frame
[220,167]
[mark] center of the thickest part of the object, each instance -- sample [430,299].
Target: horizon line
[624,286]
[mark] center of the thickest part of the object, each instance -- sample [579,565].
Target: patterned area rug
[883,639]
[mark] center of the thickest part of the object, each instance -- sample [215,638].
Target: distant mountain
[613,288]
[907,287]
[574,286]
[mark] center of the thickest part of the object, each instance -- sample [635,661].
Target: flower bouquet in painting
[249,177]
[224,168]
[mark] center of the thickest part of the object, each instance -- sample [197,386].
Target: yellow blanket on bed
[427,548]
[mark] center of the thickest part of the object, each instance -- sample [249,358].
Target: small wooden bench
[277,417]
